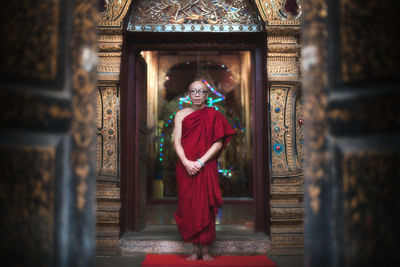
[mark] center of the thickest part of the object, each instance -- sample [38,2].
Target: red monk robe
[199,196]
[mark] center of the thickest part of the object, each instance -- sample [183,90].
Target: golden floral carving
[278,67]
[109,64]
[203,11]
[288,189]
[284,129]
[194,15]
[114,13]
[83,98]
[274,14]
[27,187]
[107,131]
[31,38]
[283,54]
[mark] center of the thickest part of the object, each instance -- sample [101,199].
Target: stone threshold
[165,239]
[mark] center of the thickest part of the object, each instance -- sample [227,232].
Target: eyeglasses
[201,92]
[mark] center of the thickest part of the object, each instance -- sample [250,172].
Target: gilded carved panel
[107,131]
[283,67]
[286,129]
[283,57]
[194,16]
[280,12]
[112,13]
[279,130]
[109,63]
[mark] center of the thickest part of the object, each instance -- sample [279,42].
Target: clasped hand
[192,167]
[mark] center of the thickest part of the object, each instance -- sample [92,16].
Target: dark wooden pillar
[47,136]
[351,65]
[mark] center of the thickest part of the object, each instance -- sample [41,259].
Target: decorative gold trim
[273,13]
[114,14]
[194,16]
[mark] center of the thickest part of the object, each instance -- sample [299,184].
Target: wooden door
[133,140]
[141,141]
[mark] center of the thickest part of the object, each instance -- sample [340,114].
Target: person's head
[198,93]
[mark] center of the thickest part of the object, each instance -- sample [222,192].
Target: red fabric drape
[199,196]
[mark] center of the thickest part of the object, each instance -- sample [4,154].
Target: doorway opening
[228,75]
[156,70]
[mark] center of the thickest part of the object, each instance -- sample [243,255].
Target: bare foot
[207,257]
[192,257]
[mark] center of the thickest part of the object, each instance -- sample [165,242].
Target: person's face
[198,93]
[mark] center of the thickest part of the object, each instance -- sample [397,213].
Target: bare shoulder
[181,114]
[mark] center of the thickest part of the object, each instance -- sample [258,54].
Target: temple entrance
[233,68]
[228,75]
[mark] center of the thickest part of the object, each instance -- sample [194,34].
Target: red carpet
[153,260]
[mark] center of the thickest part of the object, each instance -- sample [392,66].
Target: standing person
[200,133]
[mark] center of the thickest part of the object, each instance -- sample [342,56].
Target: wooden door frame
[128,188]
[254,42]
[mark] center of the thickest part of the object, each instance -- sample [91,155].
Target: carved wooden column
[108,132]
[286,124]
[351,65]
[47,133]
